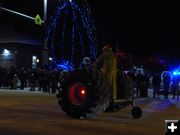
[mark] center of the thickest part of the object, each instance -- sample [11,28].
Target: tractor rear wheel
[85,93]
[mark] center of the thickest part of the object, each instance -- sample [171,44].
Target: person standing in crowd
[54,81]
[86,62]
[40,79]
[62,75]
[1,79]
[22,78]
[32,82]
[175,86]
[12,71]
[166,82]
[139,83]
[8,79]
[4,77]
[48,84]
[14,81]
[132,76]
[145,86]
[46,81]
[156,84]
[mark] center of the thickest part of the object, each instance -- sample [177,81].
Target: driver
[108,59]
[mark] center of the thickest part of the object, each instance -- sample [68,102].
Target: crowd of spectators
[162,84]
[40,79]
[43,79]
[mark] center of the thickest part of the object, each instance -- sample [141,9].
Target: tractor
[86,92]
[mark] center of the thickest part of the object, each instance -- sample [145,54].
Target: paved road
[37,113]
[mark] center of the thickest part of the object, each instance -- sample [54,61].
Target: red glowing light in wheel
[83,92]
[77,93]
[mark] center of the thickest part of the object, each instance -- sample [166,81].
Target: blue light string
[63,65]
[91,39]
[84,20]
[52,41]
[80,35]
[53,20]
[88,30]
[52,28]
[73,36]
[64,27]
[93,28]
[92,25]
[87,23]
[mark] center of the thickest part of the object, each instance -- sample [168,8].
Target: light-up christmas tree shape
[71,32]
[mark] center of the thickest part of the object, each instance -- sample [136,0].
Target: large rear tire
[85,93]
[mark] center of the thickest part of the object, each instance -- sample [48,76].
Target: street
[37,113]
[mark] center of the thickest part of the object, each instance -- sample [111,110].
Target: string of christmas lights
[83,32]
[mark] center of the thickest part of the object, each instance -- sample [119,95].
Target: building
[19,49]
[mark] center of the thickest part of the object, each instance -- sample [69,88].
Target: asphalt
[36,113]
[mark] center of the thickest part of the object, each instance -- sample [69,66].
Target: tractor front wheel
[136,112]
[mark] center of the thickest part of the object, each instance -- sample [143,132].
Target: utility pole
[45,57]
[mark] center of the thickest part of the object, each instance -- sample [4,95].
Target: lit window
[37,60]
[34,58]
[6,52]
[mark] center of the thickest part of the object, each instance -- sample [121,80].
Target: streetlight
[45,10]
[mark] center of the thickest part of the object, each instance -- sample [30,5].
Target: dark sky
[140,26]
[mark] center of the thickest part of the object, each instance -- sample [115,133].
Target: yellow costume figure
[108,60]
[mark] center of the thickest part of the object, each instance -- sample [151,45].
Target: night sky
[143,27]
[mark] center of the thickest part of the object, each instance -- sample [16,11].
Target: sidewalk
[25,92]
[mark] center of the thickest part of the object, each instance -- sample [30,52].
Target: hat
[107,48]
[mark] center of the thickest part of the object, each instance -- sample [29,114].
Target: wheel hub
[77,93]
